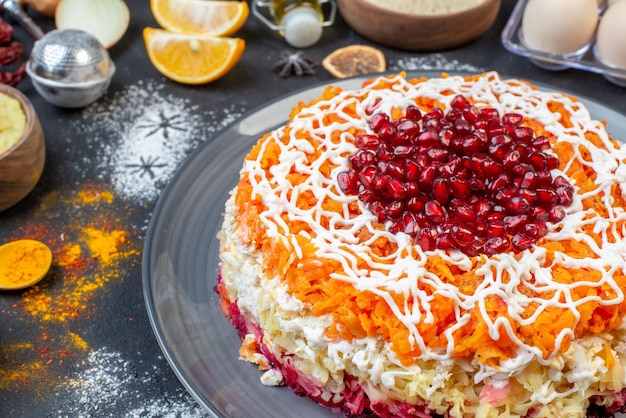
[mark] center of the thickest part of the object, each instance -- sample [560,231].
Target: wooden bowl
[22,164]
[417,32]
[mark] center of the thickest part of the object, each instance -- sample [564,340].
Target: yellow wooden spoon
[23,263]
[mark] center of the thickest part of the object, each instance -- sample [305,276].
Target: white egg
[611,37]
[612,2]
[559,26]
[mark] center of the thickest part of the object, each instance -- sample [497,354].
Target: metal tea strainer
[68,67]
[70,56]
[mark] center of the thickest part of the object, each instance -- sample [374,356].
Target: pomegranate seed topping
[512,119]
[489,113]
[546,197]
[472,115]
[378,210]
[511,159]
[552,162]
[394,209]
[562,181]
[411,170]
[517,205]
[435,113]
[378,121]
[384,153]
[367,175]
[500,181]
[412,189]
[426,238]
[444,241]
[497,245]
[387,132]
[434,211]
[410,224]
[498,151]
[396,189]
[413,113]
[441,190]
[538,160]
[524,134]
[466,180]
[380,181]
[515,223]
[541,143]
[482,208]
[439,154]
[540,214]
[459,187]
[462,235]
[505,196]
[348,182]
[464,212]
[410,127]
[535,229]
[529,194]
[369,142]
[367,195]
[459,102]
[522,242]
[428,137]
[395,169]
[498,135]
[491,168]
[565,195]
[415,205]
[556,214]
[426,178]
[496,228]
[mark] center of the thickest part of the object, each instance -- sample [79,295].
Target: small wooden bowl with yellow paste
[22,147]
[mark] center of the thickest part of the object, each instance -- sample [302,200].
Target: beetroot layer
[355,403]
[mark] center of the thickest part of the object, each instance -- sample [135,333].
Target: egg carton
[585,59]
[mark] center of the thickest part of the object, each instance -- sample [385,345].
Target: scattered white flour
[433,62]
[108,383]
[140,136]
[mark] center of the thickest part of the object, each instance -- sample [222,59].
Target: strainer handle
[14,8]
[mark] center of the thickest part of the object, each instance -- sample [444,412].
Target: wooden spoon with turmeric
[23,263]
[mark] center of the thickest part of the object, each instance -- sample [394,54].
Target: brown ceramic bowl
[22,164]
[417,32]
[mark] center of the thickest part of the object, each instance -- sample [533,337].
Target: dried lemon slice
[354,60]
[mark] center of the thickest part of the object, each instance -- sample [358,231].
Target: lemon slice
[200,17]
[192,59]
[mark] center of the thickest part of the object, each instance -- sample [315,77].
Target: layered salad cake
[450,246]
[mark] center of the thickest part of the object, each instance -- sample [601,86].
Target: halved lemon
[192,59]
[200,17]
[354,60]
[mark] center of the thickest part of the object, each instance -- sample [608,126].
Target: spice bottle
[300,22]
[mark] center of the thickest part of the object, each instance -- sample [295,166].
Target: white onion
[107,20]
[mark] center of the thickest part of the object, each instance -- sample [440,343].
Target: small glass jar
[300,22]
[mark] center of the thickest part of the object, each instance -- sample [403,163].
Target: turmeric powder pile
[22,263]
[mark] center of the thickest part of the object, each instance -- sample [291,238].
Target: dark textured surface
[104,360]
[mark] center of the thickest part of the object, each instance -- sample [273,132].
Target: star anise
[294,63]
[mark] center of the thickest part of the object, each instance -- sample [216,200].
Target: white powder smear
[108,384]
[433,62]
[141,135]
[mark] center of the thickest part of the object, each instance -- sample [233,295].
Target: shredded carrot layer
[359,314]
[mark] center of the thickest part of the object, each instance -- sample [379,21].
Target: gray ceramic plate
[180,269]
